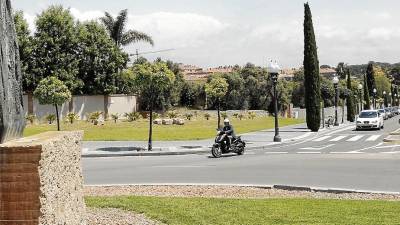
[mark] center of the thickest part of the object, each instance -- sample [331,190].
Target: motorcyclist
[229,131]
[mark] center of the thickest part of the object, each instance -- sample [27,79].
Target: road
[344,159]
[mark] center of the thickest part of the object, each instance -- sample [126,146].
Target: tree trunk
[58,118]
[150,144]
[219,116]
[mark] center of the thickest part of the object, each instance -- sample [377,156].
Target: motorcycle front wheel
[216,151]
[241,152]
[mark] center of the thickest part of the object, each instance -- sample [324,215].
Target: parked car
[370,119]
[389,111]
[385,113]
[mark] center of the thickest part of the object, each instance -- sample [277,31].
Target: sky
[211,33]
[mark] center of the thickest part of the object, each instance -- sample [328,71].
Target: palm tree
[116,29]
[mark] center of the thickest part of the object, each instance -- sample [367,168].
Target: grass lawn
[210,211]
[196,129]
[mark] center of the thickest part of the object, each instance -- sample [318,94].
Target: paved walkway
[255,140]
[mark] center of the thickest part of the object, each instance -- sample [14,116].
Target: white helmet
[226,121]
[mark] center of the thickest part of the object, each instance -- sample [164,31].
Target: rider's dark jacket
[228,129]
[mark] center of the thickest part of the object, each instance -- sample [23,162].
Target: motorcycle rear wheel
[216,152]
[241,152]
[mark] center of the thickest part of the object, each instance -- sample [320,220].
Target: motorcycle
[237,145]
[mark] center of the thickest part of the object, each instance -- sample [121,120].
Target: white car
[369,119]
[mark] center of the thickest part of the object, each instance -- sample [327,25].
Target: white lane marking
[308,152]
[250,153]
[338,138]
[276,152]
[356,138]
[352,152]
[348,127]
[388,146]
[394,152]
[317,147]
[373,137]
[321,138]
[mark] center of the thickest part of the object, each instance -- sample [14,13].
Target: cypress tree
[367,104]
[370,78]
[350,99]
[311,73]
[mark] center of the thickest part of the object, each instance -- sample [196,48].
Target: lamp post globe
[273,69]
[335,82]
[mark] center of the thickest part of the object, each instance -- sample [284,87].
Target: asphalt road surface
[343,158]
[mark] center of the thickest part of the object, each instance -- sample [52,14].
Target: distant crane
[137,54]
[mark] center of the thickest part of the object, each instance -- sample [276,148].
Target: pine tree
[370,78]
[367,103]
[311,73]
[350,99]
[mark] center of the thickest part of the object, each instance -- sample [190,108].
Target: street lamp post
[274,69]
[335,84]
[374,100]
[390,98]
[397,99]
[384,99]
[360,88]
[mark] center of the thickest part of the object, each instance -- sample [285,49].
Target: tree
[52,91]
[311,73]
[350,99]
[56,44]
[370,78]
[116,29]
[99,60]
[341,71]
[217,88]
[152,80]
[367,101]
[25,44]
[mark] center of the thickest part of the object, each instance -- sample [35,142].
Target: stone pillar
[41,180]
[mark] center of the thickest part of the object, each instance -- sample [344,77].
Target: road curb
[155,153]
[277,187]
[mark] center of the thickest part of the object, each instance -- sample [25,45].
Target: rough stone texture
[12,120]
[167,121]
[157,121]
[41,180]
[179,121]
[117,217]
[226,192]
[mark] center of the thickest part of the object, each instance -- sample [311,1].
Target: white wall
[85,104]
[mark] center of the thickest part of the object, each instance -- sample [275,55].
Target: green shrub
[133,116]
[207,116]
[252,115]
[172,114]
[224,115]
[95,116]
[51,118]
[115,117]
[156,116]
[31,118]
[240,116]
[236,115]
[189,116]
[71,117]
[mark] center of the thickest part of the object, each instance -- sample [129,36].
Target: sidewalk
[254,140]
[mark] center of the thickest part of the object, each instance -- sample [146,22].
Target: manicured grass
[196,129]
[196,211]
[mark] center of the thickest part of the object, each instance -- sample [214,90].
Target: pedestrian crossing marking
[322,138]
[356,138]
[373,138]
[338,138]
